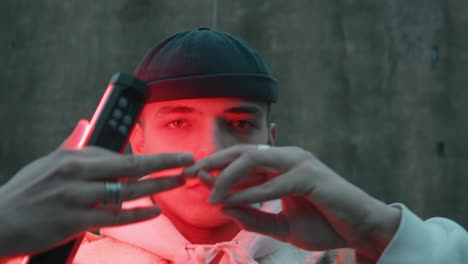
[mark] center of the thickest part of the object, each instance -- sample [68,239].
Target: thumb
[77,136]
[251,219]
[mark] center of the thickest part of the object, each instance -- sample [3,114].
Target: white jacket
[160,238]
[435,241]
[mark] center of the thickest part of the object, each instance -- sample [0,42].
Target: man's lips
[196,188]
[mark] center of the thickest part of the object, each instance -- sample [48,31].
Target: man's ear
[137,140]
[272,134]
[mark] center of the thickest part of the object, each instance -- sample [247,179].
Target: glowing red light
[89,129]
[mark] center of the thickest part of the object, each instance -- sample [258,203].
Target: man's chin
[190,204]
[206,222]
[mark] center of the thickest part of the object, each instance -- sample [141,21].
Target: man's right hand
[54,198]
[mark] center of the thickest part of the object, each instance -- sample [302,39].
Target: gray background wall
[376,89]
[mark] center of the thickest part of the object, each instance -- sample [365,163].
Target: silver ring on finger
[113,190]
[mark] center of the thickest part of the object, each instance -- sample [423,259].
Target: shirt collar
[159,236]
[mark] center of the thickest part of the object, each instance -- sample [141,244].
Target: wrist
[383,226]
[388,224]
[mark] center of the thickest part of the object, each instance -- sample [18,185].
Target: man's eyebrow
[244,109]
[175,109]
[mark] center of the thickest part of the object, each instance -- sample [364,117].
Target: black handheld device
[110,127]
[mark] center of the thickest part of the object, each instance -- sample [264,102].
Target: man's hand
[54,198]
[321,210]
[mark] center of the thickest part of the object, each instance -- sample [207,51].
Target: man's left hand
[320,209]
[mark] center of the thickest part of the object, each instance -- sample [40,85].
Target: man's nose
[211,140]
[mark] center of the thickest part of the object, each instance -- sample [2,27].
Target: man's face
[201,127]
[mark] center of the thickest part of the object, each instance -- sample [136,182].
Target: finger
[218,160]
[96,151]
[221,159]
[95,192]
[134,166]
[206,178]
[228,178]
[90,152]
[275,188]
[78,134]
[274,225]
[137,189]
[281,159]
[307,216]
[114,217]
[255,178]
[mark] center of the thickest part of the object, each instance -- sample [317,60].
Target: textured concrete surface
[374,88]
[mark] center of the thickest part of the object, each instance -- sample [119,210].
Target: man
[210,96]
[209,90]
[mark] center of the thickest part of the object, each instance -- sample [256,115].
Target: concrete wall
[374,88]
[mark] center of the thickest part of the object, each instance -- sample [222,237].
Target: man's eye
[177,124]
[242,124]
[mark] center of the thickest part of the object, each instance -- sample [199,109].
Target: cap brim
[255,86]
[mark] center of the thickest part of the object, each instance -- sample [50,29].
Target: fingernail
[155,211]
[186,158]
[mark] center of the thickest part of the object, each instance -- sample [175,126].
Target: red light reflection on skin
[201,127]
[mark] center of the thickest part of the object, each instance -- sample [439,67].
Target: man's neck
[202,236]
